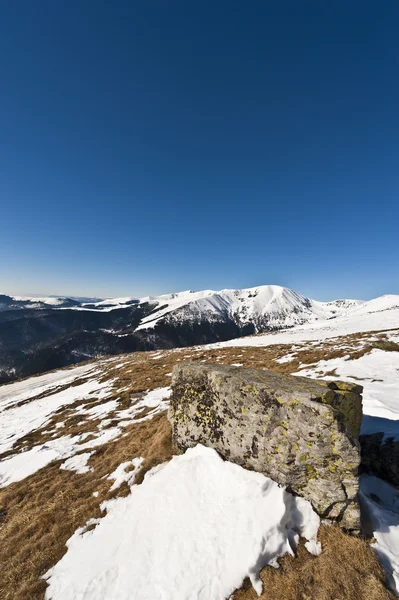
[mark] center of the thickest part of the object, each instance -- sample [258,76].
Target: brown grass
[347,569]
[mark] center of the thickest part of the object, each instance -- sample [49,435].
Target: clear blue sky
[148,147]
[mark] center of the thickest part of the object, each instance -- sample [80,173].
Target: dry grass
[346,570]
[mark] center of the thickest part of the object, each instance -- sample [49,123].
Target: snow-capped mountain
[24,302]
[265,307]
[39,334]
[269,306]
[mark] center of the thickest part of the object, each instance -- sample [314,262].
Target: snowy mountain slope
[112,302]
[268,306]
[370,316]
[386,302]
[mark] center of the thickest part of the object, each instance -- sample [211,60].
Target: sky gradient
[149,147]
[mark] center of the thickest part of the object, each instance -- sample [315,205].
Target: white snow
[382,303]
[21,413]
[193,530]
[17,421]
[156,399]
[285,359]
[100,410]
[13,393]
[313,547]
[197,526]
[171,302]
[107,305]
[77,463]
[378,373]
[273,305]
[21,465]
[113,301]
[380,515]
[120,474]
[270,306]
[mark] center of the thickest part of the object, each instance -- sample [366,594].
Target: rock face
[300,432]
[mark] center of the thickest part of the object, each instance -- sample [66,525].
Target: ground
[82,432]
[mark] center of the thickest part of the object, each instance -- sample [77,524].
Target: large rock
[300,432]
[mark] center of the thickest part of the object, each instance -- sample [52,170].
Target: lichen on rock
[300,432]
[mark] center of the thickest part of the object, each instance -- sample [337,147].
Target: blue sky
[149,147]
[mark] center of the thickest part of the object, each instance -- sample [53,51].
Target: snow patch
[380,515]
[100,410]
[78,463]
[120,475]
[194,529]
[21,465]
[157,400]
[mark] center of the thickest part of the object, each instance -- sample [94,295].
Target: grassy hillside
[118,421]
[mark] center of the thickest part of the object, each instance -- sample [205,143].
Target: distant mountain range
[40,334]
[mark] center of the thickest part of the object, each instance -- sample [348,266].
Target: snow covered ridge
[246,305]
[268,306]
[265,307]
[277,303]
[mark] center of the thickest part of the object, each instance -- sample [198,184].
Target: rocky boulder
[300,432]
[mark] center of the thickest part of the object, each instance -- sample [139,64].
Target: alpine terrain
[40,334]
